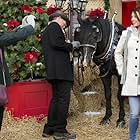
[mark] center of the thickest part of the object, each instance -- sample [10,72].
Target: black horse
[97,44]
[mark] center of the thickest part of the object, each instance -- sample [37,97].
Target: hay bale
[93,83]
[86,128]
[74,106]
[92,102]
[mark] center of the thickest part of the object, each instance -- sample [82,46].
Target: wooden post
[116,5]
[138,3]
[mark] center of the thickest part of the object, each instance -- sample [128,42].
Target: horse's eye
[78,29]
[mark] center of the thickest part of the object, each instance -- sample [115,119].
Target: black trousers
[1,115]
[59,105]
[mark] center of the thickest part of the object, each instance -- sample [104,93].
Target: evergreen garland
[12,13]
[107,5]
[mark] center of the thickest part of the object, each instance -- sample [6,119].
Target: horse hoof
[120,124]
[105,121]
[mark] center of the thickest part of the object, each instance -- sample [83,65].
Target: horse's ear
[80,20]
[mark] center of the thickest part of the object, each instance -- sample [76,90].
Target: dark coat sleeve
[10,38]
[57,39]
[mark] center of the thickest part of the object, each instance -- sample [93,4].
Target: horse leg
[107,91]
[120,122]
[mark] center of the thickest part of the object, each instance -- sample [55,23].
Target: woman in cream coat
[127,58]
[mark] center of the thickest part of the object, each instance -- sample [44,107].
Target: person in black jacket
[59,74]
[9,38]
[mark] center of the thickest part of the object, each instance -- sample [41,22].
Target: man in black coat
[7,39]
[59,74]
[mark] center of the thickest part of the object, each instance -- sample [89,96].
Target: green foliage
[19,69]
[107,5]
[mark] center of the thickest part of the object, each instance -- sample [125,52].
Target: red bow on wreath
[96,13]
[31,57]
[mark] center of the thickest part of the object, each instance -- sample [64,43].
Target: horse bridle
[80,69]
[80,65]
[90,46]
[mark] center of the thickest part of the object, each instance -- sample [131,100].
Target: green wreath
[107,5]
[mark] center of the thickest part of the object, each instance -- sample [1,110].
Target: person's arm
[119,52]
[10,38]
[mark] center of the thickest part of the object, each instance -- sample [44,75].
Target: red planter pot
[29,98]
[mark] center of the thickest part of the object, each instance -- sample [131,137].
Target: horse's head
[88,35]
[96,39]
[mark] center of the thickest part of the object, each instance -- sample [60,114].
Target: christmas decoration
[107,5]
[96,13]
[30,57]
[12,13]
[52,9]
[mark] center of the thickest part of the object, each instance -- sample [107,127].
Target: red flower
[50,10]
[11,24]
[26,9]
[31,57]
[96,13]
[39,10]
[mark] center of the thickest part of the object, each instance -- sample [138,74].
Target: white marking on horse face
[77,61]
[88,56]
[85,63]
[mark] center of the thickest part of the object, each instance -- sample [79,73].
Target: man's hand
[28,20]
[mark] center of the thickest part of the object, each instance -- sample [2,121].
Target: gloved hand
[76,44]
[28,20]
